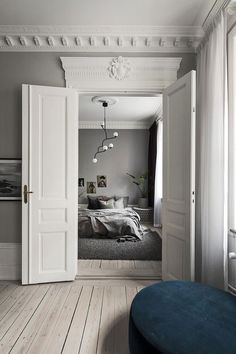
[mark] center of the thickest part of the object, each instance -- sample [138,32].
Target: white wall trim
[122,74]
[10,261]
[177,39]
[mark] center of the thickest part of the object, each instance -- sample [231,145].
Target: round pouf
[182,317]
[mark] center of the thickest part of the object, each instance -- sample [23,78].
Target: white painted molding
[10,261]
[100,38]
[147,75]
[116,125]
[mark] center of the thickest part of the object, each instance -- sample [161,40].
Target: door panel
[179,179]
[53,174]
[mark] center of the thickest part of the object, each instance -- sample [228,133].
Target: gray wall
[130,154]
[41,69]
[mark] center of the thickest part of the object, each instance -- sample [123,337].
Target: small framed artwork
[81,182]
[102,181]
[10,179]
[91,187]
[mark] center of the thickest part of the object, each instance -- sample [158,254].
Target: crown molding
[120,74]
[100,38]
[116,124]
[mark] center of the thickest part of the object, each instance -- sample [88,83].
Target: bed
[115,234]
[120,224]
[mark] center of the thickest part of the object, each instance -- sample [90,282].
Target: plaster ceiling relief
[135,26]
[119,68]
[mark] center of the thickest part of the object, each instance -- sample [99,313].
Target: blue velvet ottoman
[182,318]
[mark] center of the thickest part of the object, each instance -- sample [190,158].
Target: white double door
[50,172]
[49,183]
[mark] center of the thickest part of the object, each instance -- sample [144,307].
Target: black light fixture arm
[103,148]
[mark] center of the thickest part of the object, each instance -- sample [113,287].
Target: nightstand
[146,214]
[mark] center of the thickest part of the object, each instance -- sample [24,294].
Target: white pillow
[119,203]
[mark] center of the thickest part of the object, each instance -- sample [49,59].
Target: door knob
[26,192]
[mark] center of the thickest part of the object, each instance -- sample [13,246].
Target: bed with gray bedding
[103,234]
[119,224]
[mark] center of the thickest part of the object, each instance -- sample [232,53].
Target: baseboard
[10,261]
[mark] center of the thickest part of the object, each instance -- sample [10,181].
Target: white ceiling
[127,109]
[105,12]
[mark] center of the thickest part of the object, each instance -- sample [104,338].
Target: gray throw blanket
[120,224]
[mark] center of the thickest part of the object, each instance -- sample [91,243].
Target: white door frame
[83,73]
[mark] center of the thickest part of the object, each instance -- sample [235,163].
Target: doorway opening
[116,232]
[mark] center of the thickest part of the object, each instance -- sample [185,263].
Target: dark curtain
[152,153]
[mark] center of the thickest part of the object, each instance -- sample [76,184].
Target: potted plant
[141,183]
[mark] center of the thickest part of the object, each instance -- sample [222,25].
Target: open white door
[50,182]
[178,246]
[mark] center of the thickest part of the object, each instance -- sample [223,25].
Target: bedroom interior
[119,120]
[112,225]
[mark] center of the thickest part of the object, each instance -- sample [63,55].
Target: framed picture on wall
[81,182]
[10,179]
[91,187]
[102,181]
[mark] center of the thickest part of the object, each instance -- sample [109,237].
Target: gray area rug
[147,249]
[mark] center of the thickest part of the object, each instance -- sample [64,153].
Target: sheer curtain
[158,174]
[211,226]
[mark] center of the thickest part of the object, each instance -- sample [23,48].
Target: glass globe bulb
[95,160]
[105,147]
[110,146]
[115,134]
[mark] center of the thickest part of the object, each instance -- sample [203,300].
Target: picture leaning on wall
[10,179]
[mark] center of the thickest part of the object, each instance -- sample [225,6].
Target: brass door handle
[26,192]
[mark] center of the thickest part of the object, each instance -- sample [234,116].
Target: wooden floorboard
[75,333]
[122,269]
[22,320]
[86,316]
[27,336]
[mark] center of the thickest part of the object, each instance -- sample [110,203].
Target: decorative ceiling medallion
[119,68]
[101,99]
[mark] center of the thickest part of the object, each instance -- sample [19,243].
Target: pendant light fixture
[105,145]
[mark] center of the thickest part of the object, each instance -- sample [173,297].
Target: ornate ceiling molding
[100,38]
[145,74]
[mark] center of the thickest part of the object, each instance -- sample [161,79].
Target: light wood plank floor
[118,269]
[85,317]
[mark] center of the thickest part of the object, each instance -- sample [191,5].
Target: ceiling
[105,12]
[128,109]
